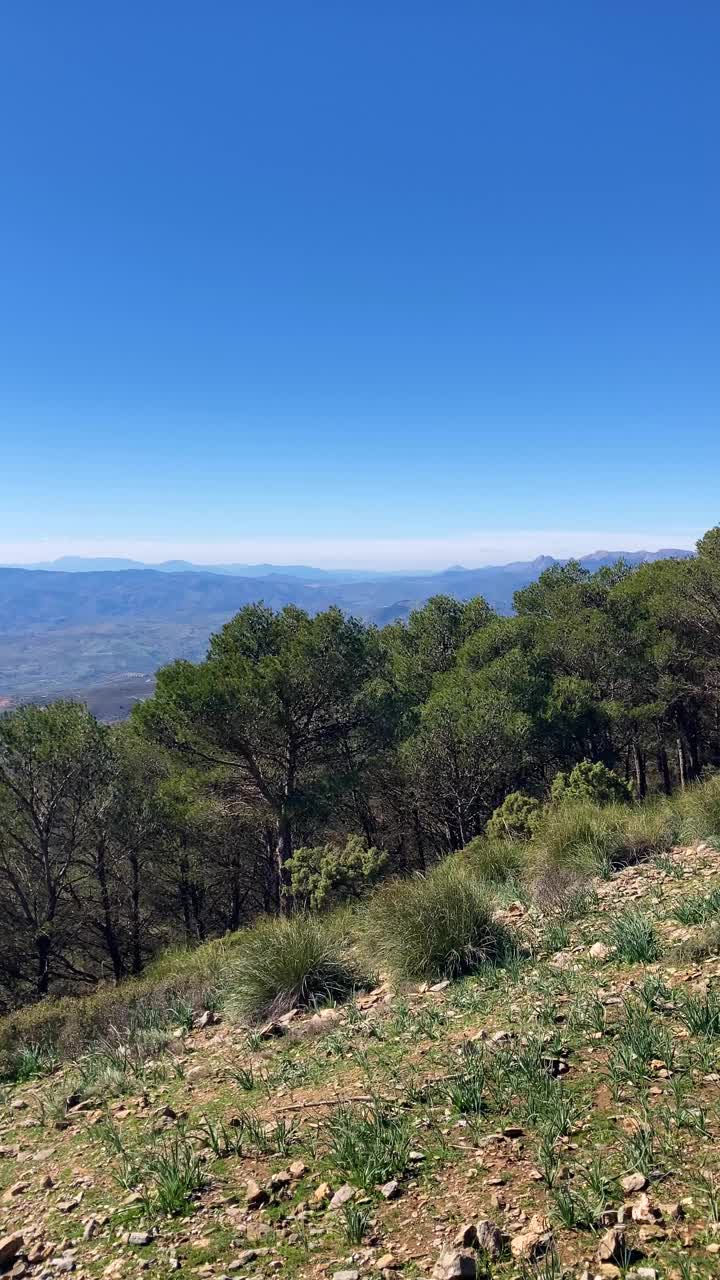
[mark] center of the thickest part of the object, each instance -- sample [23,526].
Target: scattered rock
[298,1169]
[322,1193]
[281,1179]
[613,1247]
[490,1238]
[454,1266]
[388,1262]
[13,1192]
[139,1237]
[255,1195]
[634,1182]
[390,1190]
[342,1196]
[599,951]
[10,1247]
[347,1275]
[466,1237]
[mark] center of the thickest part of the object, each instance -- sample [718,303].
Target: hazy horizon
[472,550]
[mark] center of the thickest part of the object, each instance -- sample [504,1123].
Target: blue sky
[394,282]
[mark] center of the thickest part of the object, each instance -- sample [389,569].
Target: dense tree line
[300,732]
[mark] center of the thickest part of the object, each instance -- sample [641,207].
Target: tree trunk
[681,763]
[42,947]
[283,854]
[639,769]
[135,940]
[107,925]
[664,770]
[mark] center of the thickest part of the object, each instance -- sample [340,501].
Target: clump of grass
[702,946]
[701,1013]
[634,937]
[587,839]
[356,1222]
[369,1146]
[171,1176]
[495,860]
[279,964]
[699,908]
[434,926]
[700,811]
[29,1062]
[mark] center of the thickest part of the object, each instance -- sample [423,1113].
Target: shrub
[280,963]
[589,839]
[495,860]
[593,782]
[434,926]
[516,818]
[327,874]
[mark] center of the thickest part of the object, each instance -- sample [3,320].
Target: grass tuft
[435,926]
[279,964]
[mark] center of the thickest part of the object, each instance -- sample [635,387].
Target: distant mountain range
[102,627]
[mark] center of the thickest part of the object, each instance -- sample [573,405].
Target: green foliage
[327,874]
[517,818]
[590,782]
[435,926]
[634,937]
[280,963]
[700,908]
[494,860]
[369,1146]
[700,811]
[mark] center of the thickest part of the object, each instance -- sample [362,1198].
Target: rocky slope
[560,1116]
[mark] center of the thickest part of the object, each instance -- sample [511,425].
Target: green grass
[369,1146]
[699,908]
[283,963]
[635,938]
[435,926]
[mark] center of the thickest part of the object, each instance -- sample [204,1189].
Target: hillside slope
[558,1116]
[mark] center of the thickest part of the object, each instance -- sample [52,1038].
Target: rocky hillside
[559,1115]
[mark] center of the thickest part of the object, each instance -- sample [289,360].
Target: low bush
[634,937]
[439,925]
[326,875]
[280,963]
[369,1146]
[516,818]
[588,839]
[590,782]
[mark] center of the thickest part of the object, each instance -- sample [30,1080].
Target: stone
[643,1210]
[65,1263]
[298,1169]
[612,1247]
[342,1196]
[139,1237]
[599,951]
[466,1237]
[255,1195]
[350,1274]
[390,1190]
[388,1262]
[454,1266]
[281,1179]
[90,1228]
[10,1247]
[530,1245]
[206,1019]
[15,1191]
[67,1206]
[490,1238]
[322,1193]
[634,1182]
[243,1258]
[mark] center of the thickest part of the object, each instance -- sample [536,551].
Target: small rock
[280,1180]
[643,1210]
[388,1262]
[346,1275]
[139,1237]
[634,1182]
[466,1237]
[599,951]
[513,1131]
[67,1206]
[454,1266]
[342,1196]
[530,1245]
[10,1247]
[298,1169]
[17,1189]
[90,1228]
[612,1247]
[490,1238]
[390,1190]
[322,1193]
[255,1195]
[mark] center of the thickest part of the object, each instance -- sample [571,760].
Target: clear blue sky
[393,281]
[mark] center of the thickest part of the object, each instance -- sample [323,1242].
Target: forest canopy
[307,757]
